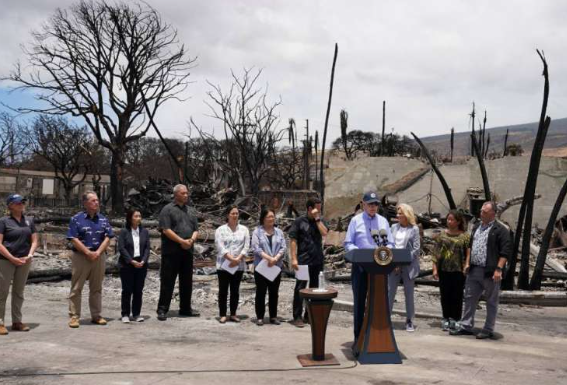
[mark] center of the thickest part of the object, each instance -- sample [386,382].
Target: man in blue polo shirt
[359,236]
[90,233]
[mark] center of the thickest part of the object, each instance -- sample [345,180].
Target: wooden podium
[376,343]
[319,306]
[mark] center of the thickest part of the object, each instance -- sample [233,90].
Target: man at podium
[364,233]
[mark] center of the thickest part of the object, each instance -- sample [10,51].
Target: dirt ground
[530,348]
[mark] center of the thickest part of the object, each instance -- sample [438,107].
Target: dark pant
[451,288]
[314,271]
[227,280]
[263,284]
[359,280]
[133,280]
[171,266]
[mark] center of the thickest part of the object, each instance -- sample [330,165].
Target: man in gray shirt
[490,249]
[179,230]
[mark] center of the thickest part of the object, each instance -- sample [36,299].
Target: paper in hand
[302,274]
[269,272]
[226,267]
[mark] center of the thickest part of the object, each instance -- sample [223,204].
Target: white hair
[179,187]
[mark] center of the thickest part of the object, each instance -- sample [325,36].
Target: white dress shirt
[136,238]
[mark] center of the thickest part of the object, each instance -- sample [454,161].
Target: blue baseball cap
[15,198]
[371,197]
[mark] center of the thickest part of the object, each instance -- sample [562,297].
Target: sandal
[260,322]
[234,318]
[222,320]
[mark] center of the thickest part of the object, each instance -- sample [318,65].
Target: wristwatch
[498,268]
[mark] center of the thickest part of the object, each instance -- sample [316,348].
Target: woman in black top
[134,248]
[18,241]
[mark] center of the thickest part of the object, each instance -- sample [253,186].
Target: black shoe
[484,334]
[461,332]
[275,321]
[190,313]
[161,316]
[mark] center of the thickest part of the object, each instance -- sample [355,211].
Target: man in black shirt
[306,248]
[179,230]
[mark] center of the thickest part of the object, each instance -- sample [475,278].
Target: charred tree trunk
[446,188]
[116,186]
[383,127]
[452,142]
[535,283]
[473,114]
[485,183]
[484,146]
[505,152]
[487,146]
[306,157]
[531,183]
[322,177]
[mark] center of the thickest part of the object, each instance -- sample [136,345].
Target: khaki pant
[17,276]
[93,271]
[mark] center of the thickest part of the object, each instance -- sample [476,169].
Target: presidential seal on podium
[383,255]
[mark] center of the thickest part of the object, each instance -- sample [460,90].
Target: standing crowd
[466,265]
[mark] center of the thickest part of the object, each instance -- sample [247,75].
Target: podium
[376,343]
[319,306]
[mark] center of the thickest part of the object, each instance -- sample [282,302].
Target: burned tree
[321,170]
[382,144]
[479,157]
[148,157]
[472,115]
[11,144]
[446,188]
[523,229]
[452,142]
[249,122]
[535,283]
[344,127]
[64,146]
[505,151]
[96,61]
[287,169]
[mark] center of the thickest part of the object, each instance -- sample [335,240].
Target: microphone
[384,236]
[376,236]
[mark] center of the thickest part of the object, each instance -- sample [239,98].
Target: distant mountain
[523,134]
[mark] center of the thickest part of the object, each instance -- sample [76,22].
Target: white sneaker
[139,319]
[126,320]
[410,327]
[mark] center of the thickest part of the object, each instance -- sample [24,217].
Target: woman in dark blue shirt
[18,241]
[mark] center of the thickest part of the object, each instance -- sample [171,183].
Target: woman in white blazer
[406,235]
